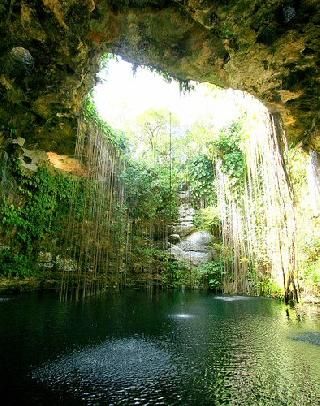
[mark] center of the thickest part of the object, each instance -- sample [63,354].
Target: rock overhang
[50,52]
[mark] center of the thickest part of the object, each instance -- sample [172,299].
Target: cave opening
[271,54]
[158,212]
[205,185]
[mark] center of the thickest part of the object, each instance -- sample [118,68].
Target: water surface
[167,348]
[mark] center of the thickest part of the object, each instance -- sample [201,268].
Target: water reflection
[167,348]
[5,299]
[232,298]
[181,316]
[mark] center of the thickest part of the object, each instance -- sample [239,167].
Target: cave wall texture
[50,52]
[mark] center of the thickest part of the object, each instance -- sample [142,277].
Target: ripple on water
[5,299]
[113,371]
[238,352]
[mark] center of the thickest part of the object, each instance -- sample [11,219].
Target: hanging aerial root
[258,223]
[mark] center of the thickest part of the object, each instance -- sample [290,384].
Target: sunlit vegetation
[111,222]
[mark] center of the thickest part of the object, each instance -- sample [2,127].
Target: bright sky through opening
[122,95]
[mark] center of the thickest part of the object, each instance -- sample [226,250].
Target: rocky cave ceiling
[50,52]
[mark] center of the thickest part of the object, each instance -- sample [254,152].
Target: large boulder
[196,248]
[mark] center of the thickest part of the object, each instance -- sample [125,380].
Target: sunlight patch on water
[232,298]
[181,316]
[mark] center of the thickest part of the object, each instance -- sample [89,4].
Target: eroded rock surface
[194,249]
[49,53]
[187,244]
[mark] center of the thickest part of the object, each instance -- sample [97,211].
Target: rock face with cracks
[50,52]
[187,244]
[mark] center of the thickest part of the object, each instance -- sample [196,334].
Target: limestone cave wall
[50,52]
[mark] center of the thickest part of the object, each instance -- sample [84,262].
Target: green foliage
[178,274]
[208,219]
[308,222]
[149,257]
[312,274]
[15,265]
[2,8]
[227,148]
[312,249]
[297,170]
[148,192]
[152,141]
[310,267]
[201,178]
[35,217]
[268,287]
[212,274]
[105,59]
[226,31]
[116,137]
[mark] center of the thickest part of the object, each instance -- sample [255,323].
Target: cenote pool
[167,348]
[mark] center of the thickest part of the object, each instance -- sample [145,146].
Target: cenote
[161,348]
[160,202]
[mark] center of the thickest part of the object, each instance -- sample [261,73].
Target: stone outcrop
[185,224]
[50,51]
[187,244]
[195,249]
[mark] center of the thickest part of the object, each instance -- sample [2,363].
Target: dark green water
[169,348]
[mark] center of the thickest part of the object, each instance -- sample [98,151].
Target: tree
[154,126]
